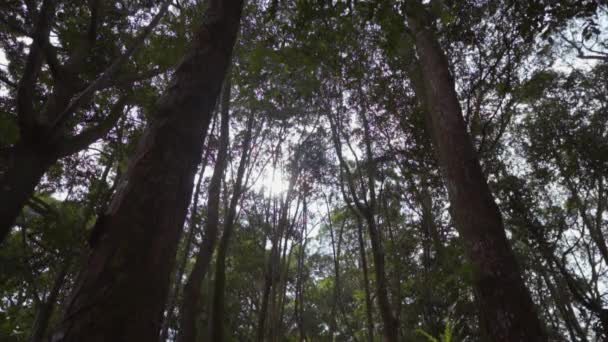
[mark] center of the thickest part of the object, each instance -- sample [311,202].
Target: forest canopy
[303,170]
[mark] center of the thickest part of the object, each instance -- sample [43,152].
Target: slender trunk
[431,241]
[282,262]
[507,312]
[268,280]
[179,273]
[574,329]
[261,328]
[21,169]
[44,312]
[391,325]
[336,249]
[279,307]
[368,298]
[216,325]
[300,281]
[191,306]
[120,295]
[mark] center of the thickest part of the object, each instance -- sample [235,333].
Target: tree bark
[191,306]
[507,312]
[120,294]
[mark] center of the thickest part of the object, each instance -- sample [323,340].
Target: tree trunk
[261,328]
[216,325]
[299,276]
[368,297]
[391,325]
[181,267]
[120,294]
[21,169]
[191,306]
[336,249]
[507,312]
[44,312]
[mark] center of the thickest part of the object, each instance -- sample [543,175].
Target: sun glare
[273,182]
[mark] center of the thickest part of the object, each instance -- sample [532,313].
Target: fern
[445,337]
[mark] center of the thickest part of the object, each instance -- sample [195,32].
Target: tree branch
[88,136]
[106,76]
[25,92]
[7,81]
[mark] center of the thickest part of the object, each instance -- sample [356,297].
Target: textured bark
[507,312]
[191,302]
[120,293]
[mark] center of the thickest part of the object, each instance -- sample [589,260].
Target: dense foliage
[324,205]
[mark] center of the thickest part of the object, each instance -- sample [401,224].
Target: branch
[88,136]
[128,80]
[14,26]
[25,92]
[7,81]
[107,75]
[79,55]
[581,52]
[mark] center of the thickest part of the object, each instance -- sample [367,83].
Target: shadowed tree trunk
[189,241]
[191,302]
[507,312]
[120,293]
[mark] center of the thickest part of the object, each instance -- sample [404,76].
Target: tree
[133,244]
[46,119]
[507,312]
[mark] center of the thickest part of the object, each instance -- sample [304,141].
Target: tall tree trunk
[189,241]
[507,312]
[300,271]
[261,326]
[120,294]
[391,325]
[368,296]
[336,249]
[216,324]
[191,302]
